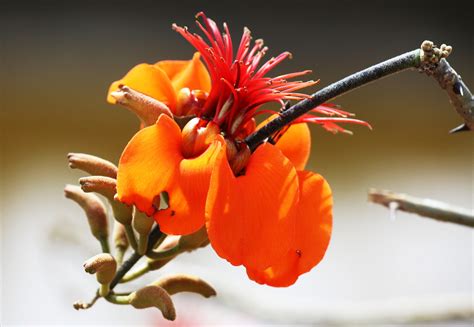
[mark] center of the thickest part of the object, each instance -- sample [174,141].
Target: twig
[434,64]
[459,94]
[439,68]
[133,259]
[424,207]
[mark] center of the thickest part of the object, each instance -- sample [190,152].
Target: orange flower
[261,210]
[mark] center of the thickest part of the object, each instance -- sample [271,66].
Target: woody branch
[428,59]
[424,207]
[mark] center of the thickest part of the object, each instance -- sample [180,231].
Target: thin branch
[424,207]
[459,94]
[155,235]
[428,59]
[394,65]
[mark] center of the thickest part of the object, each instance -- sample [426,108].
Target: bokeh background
[57,60]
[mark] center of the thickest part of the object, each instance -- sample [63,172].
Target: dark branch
[130,262]
[402,62]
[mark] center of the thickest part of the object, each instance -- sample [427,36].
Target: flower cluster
[262,210]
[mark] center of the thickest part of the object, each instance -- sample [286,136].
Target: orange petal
[250,218]
[149,80]
[187,73]
[153,163]
[295,143]
[313,232]
[149,164]
[188,192]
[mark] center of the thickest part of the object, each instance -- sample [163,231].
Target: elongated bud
[154,296]
[142,224]
[107,187]
[240,160]
[190,102]
[146,108]
[198,134]
[92,164]
[194,241]
[120,237]
[185,283]
[104,267]
[94,209]
[120,241]
[158,264]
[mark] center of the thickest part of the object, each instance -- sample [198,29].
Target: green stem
[104,244]
[161,255]
[142,244]
[131,236]
[135,274]
[118,299]
[119,253]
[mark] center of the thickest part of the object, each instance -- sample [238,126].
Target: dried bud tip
[99,262]
[185,283]
[146,108]
[92,164]
[154,296]
[100,184]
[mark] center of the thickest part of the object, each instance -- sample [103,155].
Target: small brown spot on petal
[298,252]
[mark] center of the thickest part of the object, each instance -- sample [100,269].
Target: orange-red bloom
[262,210]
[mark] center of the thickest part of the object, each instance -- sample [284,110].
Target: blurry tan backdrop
[58,59]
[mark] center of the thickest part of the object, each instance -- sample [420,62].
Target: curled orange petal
[295,143]
[250,218]
[187,73]
[153,163]
[313,232]
[149,80]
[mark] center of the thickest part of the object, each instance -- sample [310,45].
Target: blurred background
[58,59]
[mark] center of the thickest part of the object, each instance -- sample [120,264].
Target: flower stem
[174,251]
[135,274]
[118,299]
[104,243]
[131,236]
[394,65]
[155,235]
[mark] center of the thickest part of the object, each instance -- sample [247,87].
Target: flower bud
[231,149]
[104,267]
[154,296]
[193,241]
[92,164]
[107,187]
[240,160]
[185,283]
[120,241]
[142,224]
[197,135]
[190,102]
[120,236]
[146,108]
[158,264]
[94,209]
